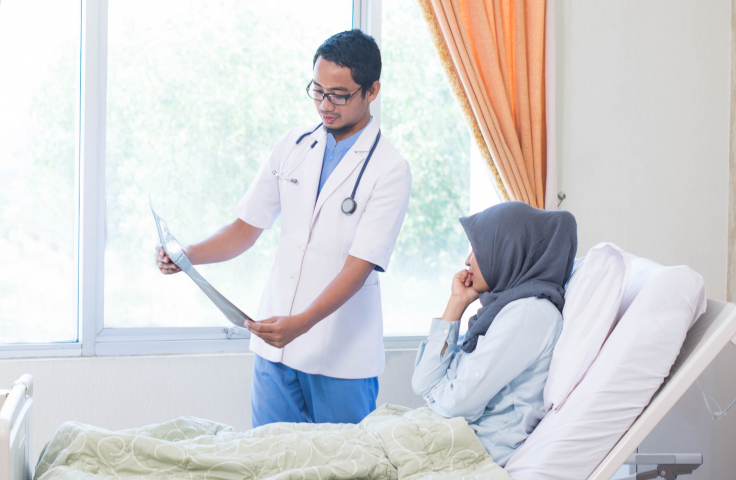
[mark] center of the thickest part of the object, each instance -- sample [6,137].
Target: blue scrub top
[334,152]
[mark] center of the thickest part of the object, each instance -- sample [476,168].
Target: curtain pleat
[458,90]
[495,50]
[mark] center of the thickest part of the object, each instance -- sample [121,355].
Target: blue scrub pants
[281,394]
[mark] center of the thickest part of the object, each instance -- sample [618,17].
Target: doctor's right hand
[164,263]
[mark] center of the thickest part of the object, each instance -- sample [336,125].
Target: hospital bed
[704,341]
[16,430]
[707,337]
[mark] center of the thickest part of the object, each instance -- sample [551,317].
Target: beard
[341,130]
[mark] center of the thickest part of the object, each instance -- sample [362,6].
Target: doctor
[342,191]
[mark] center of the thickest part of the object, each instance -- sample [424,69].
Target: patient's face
[479,284]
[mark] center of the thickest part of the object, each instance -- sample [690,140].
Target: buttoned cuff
[442,331]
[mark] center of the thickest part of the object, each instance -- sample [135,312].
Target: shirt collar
[346,144]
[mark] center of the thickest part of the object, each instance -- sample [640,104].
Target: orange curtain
[493,54]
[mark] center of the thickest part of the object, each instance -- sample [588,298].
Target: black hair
[358,52]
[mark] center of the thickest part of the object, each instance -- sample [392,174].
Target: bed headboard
[706,338]
[16,431]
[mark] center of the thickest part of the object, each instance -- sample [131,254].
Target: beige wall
[643,93]
[643,128]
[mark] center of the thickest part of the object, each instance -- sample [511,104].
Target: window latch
[236,332]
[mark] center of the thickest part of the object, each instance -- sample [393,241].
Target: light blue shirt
[498,388]
[334,151]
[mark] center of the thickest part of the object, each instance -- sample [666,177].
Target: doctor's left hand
[279,331]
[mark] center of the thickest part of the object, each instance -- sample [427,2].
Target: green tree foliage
[423,121]
[194,107]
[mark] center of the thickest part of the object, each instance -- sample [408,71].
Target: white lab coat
[316,239]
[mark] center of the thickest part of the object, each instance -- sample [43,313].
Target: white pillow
[641,270]
[570,443]
[592,300]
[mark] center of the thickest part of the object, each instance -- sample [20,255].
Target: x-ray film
[175,253]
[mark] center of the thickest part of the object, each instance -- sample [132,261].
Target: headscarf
[522,252]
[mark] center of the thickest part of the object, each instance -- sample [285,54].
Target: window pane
[421,118]
[39,84]
[198,93]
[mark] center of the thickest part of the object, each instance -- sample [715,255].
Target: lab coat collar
[313,170]
[347,165]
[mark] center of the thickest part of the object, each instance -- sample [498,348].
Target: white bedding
[636,358]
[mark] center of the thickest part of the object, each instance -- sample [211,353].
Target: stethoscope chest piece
[349,205]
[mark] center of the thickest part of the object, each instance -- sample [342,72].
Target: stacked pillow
[658,306]
[592,303]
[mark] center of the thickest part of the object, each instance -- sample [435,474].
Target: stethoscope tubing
[349,205]
[286,170]
[307,133]
[365,164]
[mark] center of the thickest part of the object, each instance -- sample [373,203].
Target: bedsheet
[391,443]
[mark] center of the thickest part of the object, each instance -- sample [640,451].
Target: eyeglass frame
[330,95]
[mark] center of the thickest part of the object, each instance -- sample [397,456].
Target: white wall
[643,93]
[643,128]
[125,392]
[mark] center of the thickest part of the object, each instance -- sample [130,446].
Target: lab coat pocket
[371,281]
[356,335]
[360,320]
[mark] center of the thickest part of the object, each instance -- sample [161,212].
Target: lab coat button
[477,374]
[445,330]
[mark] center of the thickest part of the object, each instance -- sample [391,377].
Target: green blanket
[392,442]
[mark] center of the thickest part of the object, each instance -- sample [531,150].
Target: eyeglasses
[333,98]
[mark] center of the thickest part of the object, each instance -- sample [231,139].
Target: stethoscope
[349,205]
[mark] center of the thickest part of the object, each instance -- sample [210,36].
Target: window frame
[93,339]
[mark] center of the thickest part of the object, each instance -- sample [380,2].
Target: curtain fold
[492,52]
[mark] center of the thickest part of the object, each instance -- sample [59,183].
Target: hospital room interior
[138,138]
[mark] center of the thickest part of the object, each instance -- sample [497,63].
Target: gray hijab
[522,252]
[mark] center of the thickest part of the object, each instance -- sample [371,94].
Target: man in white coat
[342,191]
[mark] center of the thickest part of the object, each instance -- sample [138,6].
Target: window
[183,100]
[424,122]
[38,137]
[197,95]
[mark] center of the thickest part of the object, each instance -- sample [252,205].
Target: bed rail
[16,430]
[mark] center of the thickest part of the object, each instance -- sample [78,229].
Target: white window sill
[163,341]
[41,350]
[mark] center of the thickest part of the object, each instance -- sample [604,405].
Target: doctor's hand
[279,331]
[164,263]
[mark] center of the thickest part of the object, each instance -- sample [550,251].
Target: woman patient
[522,258]
[520,261]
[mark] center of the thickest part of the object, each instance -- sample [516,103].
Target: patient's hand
[462,295]
[462,287]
